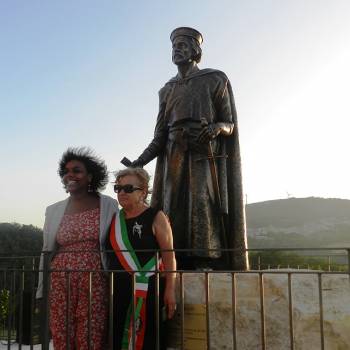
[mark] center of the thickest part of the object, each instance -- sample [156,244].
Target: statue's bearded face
[182,50]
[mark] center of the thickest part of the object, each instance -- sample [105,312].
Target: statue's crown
[186,31]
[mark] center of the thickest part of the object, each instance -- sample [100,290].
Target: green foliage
[20,247]
[16,239]
[4,304]
[281,259]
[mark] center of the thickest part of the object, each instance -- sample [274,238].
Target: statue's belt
[186,127]
[185,136]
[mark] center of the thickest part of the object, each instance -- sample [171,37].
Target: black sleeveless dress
[141,237]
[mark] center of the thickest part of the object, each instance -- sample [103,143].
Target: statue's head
[186,45]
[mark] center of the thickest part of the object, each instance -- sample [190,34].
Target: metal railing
[21,325]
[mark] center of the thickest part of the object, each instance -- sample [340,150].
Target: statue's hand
[209,132]
[138,163]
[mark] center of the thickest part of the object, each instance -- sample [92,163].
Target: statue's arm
[224,128]
[156,146]
[225,110]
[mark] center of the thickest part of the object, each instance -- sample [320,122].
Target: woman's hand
[170,301]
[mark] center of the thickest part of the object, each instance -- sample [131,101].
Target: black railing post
[207,296]
[111,310]
[68,316]
[89,309]
[234,310]
[321,309]
[157,302]
[290,308]
[20,314]
[11,309]
[32,305]
[262,311]
[182,309]
[45,302]
[133,308]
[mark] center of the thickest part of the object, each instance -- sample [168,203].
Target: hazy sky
[87,73]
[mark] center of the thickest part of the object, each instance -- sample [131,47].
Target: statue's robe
[183,185]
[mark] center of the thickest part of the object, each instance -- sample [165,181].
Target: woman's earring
[90,188]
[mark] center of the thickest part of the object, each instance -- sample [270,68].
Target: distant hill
[299,222]
[16,239]
[292,222]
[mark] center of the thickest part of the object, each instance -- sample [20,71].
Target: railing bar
[45,305]
[20,321]
[3,325]
[15,287]
[262,311]
[312,272]
[157,302]
[133,334]
[89,310]
[67,318]
[182,306]
[234,311]
[9,315]
[321,309]
[207,309]
[188,250]
[32,304]
[14,318]
[290,306]
[111,310]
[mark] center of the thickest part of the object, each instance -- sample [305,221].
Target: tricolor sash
[128,259]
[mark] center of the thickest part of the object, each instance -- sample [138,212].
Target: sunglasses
[126,188]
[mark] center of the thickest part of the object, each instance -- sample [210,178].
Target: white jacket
[53,217]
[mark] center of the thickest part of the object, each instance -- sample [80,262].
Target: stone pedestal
[248,320]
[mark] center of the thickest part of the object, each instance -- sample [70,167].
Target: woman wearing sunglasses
[139,227]
[74,231]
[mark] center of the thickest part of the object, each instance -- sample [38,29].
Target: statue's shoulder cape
[164,91]
[196,74]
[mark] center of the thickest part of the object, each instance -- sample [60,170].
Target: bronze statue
[198,172]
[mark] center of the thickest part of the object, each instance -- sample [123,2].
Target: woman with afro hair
[75,229]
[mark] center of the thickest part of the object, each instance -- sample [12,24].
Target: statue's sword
[215,181]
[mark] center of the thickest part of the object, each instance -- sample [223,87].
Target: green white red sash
[128,259]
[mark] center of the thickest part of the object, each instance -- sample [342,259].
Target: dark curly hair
[93,164]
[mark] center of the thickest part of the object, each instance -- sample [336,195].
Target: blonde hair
[141,174]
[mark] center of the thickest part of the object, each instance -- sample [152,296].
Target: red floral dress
[78,239]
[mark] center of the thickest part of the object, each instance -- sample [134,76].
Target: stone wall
[305,311]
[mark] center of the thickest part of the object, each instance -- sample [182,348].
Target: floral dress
[78,299]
